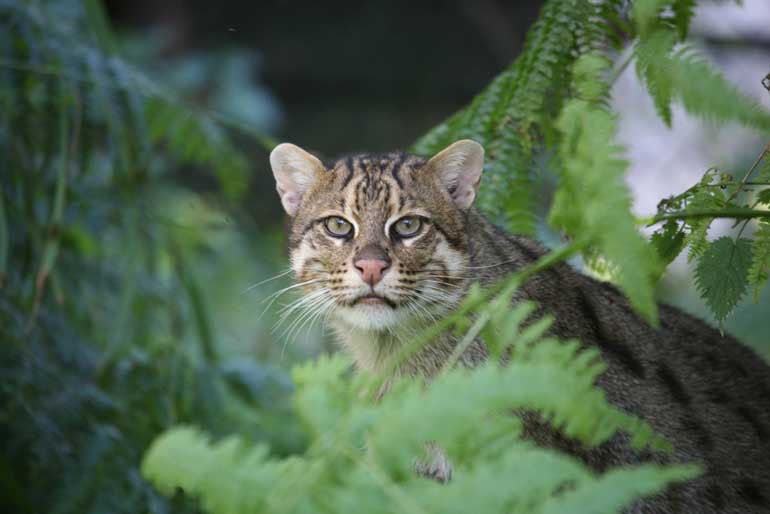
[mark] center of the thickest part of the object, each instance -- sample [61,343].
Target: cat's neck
[372,349]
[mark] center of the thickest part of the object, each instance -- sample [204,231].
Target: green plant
[97,297]
[362,454]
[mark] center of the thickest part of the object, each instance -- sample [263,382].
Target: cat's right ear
[294,170]
[459,168]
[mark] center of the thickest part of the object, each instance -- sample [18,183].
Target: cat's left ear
[459,167]
[294,170]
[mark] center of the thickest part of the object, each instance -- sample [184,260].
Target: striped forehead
[374,182]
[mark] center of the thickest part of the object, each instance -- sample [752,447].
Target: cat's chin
[376,316]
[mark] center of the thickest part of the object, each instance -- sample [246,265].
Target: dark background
[350,76]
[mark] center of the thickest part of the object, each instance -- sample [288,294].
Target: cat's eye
[338,227]
[407,226]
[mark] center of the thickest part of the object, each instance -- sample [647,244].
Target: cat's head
[379,240]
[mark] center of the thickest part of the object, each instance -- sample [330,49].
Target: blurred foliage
[106,328]
[362,454]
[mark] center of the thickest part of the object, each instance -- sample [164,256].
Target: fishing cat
[389,243]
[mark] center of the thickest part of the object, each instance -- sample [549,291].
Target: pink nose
[371,270]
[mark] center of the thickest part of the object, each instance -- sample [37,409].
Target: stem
[735,213]
[470,336]
[200,315]
[617,72]
[4,244]
[745,178]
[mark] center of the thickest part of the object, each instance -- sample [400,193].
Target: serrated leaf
[760,259]
[764,197]
[722,273]
[668,241]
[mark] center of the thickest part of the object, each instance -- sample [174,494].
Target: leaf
[760,259]
[669,241]
[646,480]
[684,10]
[682,74]
[651,67]
[764,197]
[705,198]
[645,13]
[514,117]
[593,203]
[722,273]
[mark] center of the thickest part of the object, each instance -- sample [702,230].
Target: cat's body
[706,393]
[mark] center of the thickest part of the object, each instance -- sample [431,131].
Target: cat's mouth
[374,300]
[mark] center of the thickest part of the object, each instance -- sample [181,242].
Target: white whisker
[274,277]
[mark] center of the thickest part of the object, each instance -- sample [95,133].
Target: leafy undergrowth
[362,451]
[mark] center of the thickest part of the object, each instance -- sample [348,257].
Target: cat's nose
[371,270]
[371,263]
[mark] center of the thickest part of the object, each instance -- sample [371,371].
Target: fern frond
[647,480]
[684,10]
[659,82]
[337,473]
[515,114]
[593,202]
[362,451]
[683,74]
[645,14]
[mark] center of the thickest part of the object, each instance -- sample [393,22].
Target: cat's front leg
[435,465]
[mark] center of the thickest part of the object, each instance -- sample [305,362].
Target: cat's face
[379,241]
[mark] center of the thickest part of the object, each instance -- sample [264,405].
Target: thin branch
[745,178]
[735,213]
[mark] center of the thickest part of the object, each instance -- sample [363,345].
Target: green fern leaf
[651,68]
[592,201]
[682,74]
[362,452]
[646,480]
[684,10]
[515,114]
[722,273]
[645,14]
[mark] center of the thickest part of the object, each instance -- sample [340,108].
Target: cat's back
[708,394]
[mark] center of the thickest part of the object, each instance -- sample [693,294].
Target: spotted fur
[427,276]
[706,393]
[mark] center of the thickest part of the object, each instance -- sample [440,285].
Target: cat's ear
[294,170]
[458,167]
